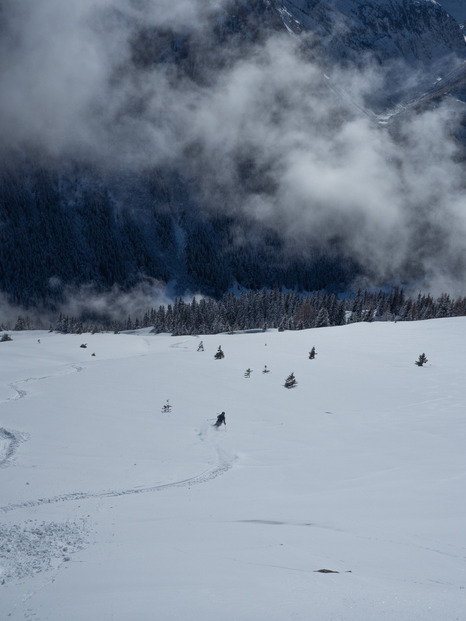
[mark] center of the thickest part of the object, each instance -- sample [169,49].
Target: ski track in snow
[30,548]
[21,394]
[223,464]
[10,440]
[205,476]
[180,345]
[13,439]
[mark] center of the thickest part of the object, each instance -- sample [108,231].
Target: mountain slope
[388,29]
[400,36]
[212,145]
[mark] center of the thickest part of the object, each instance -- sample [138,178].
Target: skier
[220,420]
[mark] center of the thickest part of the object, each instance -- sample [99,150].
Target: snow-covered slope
[113,510]
[415,31]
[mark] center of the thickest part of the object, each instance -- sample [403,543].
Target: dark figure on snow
[421,360]
[220,420]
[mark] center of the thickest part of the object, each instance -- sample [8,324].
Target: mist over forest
[153,149]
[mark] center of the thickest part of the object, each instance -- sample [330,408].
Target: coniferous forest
[260,310]
[221,154]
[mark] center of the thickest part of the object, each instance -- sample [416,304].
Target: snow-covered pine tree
[421,360]
[167,407]
[322,319]
[290,381]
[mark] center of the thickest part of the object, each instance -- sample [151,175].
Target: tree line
[262,309]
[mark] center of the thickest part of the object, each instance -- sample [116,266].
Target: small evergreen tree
[290,381]
[219,355]
[421,360]
[167,407]
[312,354]
[5,337]
[20,324]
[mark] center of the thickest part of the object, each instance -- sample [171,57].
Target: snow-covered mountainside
[222,144]
[416,31]
[396,34]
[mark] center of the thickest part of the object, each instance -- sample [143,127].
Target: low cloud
[268,135]
[115,304]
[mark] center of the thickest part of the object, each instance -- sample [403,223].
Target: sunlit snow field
[112,510]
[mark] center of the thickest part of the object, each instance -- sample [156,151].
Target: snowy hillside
[114,510]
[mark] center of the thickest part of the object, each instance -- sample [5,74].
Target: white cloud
[266,135]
